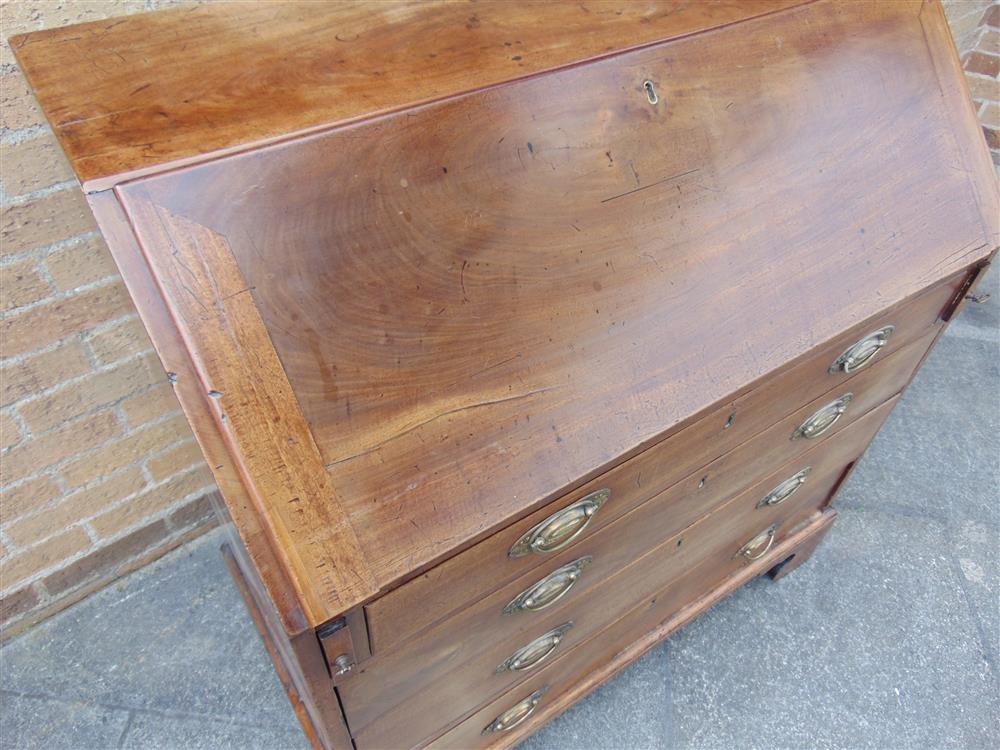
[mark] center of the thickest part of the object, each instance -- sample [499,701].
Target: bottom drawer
[762,511]
[509,719]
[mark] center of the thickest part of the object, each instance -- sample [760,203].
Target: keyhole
[702,482]
[729,422]
[650,92]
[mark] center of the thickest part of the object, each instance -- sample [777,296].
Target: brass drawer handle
[561,528]
[765,539]
[550,589]
[530,656]
[823,419]
[516,714]
[784,490]
[862,352]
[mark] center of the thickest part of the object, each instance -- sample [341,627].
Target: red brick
[979,62]
[181,457]
[31,456]
[122,340]
[992,138]
[27,497]
[18,108]
[150,405]
[990,42]
[990,116]
[992,16]
[124,452]
[984,89]
[200,512]
[43,325]
[81,264]
[136,510]
[75,508]
[48,553]
[92,392]
[10,433]
[33,164]
[21,284]
[43,371]
[56,217]
[18,604]
[106,560]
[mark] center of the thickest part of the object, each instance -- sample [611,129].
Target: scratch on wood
[446,413]
[652,184]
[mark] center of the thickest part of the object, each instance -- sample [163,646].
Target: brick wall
[100,473]
[975,25]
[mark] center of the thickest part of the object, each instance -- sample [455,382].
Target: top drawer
[489,564]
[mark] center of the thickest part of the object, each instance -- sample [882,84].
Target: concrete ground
[888,638]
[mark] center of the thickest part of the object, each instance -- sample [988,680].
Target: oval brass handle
[530,656]
[561,528]
[862,352]
[765,539]
[823,419]
[784,490]
[550,589]
[516,714]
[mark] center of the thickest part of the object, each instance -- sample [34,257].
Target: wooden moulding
[194,399]
[353,60]
[255,409]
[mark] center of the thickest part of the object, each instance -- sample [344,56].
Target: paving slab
[40,722]
[173,639]
[634,712]
[870,645]
[157,732]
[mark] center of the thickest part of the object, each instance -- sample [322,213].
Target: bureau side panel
[155,316]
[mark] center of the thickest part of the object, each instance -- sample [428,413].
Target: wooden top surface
[127,95]
[419,327]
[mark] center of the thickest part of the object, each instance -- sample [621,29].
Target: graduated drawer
[529,700]
[486,566]
[751,521]
[388,680]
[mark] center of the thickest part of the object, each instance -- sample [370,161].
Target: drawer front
[391,676]
[486,566]
[566,674]
[497,658]
[736,534]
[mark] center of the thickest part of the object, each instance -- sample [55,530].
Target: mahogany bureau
[519,334]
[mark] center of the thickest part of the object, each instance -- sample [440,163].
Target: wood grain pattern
[127,95]
[453,311]
[256,410]
[484,567]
